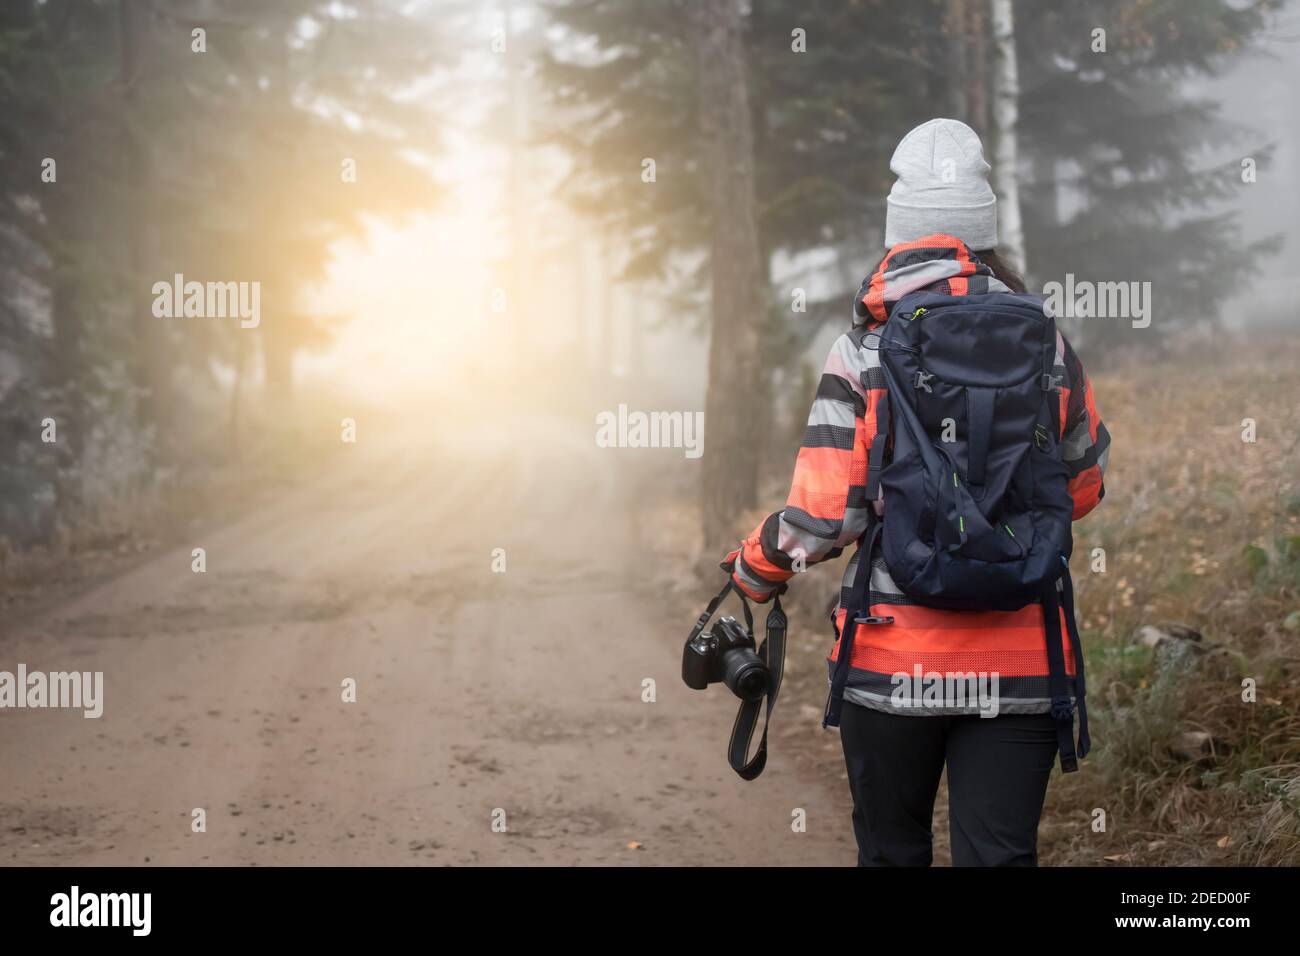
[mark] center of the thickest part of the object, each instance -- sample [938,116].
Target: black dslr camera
[725,653]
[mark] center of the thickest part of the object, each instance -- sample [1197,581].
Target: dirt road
[476,692]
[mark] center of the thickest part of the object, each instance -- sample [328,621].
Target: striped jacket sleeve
[1085,443]
[827,508]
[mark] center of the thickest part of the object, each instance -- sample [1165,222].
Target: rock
[1149,636]
[1193,745]
[1157,635]
[1181,632]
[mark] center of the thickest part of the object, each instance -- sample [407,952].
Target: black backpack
[977,510]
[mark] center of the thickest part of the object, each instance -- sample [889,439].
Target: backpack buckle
[921,381]
[868,619]
[1051,383]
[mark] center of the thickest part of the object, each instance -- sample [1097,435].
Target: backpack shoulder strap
[853,616]
[1052,381]
[1063,708]
[876,456]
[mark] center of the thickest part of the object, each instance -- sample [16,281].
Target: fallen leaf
[1223,842]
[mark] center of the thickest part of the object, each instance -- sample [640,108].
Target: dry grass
[1201,528]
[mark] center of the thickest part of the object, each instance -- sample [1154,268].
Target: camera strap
[712,609]
[772,653]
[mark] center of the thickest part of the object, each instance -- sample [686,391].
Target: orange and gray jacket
[827,508]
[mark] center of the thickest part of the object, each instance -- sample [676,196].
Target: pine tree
[1107,124]
[220,160]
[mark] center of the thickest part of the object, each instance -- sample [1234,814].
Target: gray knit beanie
[942,186]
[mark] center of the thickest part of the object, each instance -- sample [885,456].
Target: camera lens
[745,673]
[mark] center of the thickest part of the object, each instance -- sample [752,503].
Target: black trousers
[998,768]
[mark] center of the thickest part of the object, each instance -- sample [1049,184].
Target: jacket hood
[935,263]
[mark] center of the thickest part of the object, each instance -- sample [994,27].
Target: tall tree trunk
[521,268]
[977,82]
[236,397]
[581,305]
[964,32]
[737,300]
[771,340]
[1006,98]
[151,359]
[956,26]
[1042,195]
[637,311]
[277,352]
[604,359]
[67,358]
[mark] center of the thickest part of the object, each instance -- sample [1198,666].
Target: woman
[941,232]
